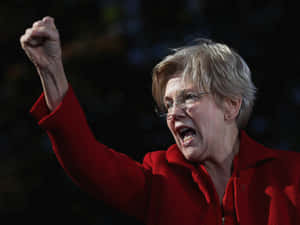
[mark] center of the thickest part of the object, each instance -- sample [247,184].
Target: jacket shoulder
[153,157]
[288,162]
[287,156]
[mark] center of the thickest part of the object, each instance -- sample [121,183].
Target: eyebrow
[179,93]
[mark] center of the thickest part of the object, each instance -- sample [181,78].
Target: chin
[191,154]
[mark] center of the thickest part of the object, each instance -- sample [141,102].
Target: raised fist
[41,43]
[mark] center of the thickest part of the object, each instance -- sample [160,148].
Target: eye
[190,97]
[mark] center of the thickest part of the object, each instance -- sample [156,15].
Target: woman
[214,174]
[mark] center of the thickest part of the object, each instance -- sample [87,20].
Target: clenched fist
[42,45]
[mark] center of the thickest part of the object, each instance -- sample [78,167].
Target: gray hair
[212,67]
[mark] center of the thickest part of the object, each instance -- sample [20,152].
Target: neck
[221,164]
[220,167]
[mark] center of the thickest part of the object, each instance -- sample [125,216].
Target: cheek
[205,117]
[170,126]
[198,115]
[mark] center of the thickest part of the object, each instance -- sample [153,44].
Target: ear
[232,108]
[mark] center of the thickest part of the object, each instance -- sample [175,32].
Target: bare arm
[42,45]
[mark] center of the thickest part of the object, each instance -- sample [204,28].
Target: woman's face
[197,128]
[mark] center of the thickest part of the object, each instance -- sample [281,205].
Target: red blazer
[165,188]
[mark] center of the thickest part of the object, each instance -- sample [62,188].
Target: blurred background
[109,50]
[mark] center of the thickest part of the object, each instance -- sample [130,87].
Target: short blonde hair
[212,67]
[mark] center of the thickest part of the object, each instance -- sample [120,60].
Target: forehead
[177,85]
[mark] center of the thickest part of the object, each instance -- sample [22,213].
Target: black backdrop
[109,49]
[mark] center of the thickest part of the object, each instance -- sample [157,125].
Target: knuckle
[38,30]
[48,19]
[37,23]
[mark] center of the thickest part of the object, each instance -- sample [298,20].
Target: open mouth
[186,134]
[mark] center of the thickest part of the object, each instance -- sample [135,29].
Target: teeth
[188,137]
[186,133]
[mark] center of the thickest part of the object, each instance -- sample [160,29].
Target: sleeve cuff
[40,110]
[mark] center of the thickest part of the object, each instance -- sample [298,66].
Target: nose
[176,112]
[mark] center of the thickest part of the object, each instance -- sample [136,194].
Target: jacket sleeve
[108,175]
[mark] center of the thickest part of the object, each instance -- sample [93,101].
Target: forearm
[54,83]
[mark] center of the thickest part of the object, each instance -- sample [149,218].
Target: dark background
[109,50]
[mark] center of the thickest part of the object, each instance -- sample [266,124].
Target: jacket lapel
[174,156]
[252,153]
[248,190]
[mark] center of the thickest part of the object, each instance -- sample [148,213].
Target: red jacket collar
[250,154]
[175,156]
